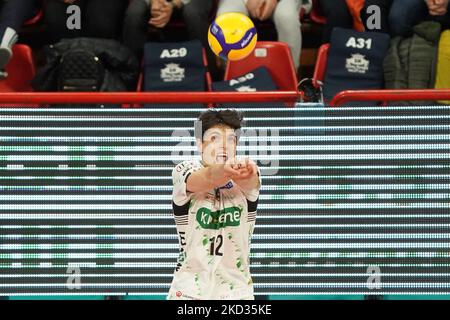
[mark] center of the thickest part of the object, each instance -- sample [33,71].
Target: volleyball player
[214,204]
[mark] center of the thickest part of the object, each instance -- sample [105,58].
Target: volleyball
[232,36]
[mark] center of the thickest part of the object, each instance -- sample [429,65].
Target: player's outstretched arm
[210,177]
[248,178]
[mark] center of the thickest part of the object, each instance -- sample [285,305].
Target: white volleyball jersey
[214,230]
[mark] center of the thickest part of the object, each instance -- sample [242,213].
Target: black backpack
[80,70]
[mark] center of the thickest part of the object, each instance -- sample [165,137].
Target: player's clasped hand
[240,169]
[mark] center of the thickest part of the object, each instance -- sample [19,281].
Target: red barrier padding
[147,97]
[344,97]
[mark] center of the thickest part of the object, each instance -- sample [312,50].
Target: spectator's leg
[384,8]
[232,6]
[226,6]
[337,15]
[55,18]
[404,14]
[135,26]
[13,15]
[287,22]
[104,18]
[196,16]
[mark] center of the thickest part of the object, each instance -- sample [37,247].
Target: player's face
[219,145]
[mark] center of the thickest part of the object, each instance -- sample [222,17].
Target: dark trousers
[337,15]
[99,19]
[15,12]
[195,15]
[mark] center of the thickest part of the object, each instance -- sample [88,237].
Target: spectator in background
[353,14]
[337,14]
[284,13]
[405,14]
[99,18]
[398,17]
[13,14]
[157,13]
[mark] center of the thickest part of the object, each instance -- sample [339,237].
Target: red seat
[321,62]
[321,67]
[20,70]
[275,56]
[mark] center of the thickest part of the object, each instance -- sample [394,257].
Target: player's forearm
[250,183]
[208,178]
[218,175]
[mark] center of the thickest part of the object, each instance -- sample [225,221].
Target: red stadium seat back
[275,56]
[315,14]
[321,62]
[20,70]
[208,74]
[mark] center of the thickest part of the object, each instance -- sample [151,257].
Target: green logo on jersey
[219,219]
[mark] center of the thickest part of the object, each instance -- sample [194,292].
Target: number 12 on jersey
[216,245]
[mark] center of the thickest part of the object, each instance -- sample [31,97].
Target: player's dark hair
[212,117]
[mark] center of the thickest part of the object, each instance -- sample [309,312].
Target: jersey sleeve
[180,173]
